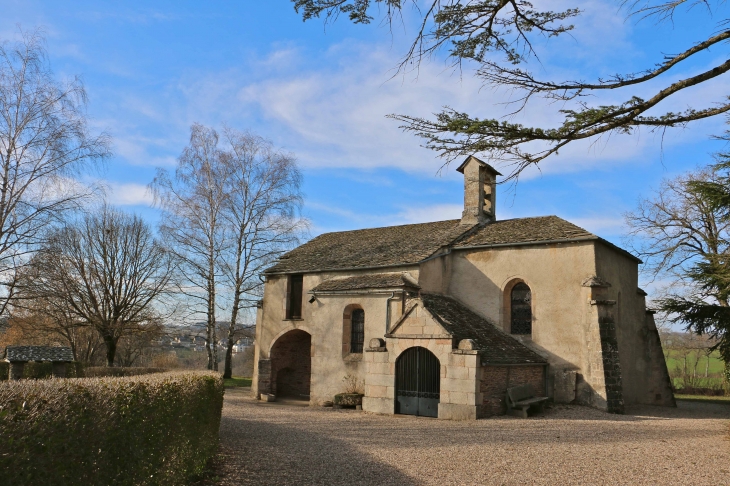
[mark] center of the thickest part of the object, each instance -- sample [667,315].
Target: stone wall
[611,365]
[494,381]
[323,320]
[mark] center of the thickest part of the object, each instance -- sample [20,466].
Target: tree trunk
[228,370]
[211,344]
[111,349]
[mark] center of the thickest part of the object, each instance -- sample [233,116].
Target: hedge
[99,371]
[158,429]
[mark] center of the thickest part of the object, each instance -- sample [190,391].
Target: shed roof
[495,346]
[369,281]
[38,353]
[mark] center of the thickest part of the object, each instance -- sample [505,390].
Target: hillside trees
[44,142]
[498,38]
[229,209]
[106,271]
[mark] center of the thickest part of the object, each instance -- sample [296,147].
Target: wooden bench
[521,398]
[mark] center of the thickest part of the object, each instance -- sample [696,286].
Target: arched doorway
[417,383]
[291,365]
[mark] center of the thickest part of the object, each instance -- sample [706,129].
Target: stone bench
[521,398]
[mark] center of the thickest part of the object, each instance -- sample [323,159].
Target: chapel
[441,319]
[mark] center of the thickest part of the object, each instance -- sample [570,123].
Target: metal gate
[417,383]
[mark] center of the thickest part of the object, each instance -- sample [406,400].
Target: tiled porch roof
[494,345]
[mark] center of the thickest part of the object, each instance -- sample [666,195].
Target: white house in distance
[441,318]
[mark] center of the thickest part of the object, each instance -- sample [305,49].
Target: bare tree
[684,234]
[499,36]
[133,345]
[44,143]
[261,217]
[193,202]
[107,270]
[680,226]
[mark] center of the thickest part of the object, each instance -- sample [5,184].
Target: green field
[695,369]
[237,381]
[676,359]
[703,399]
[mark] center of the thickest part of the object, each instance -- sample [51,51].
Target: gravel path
[272,443]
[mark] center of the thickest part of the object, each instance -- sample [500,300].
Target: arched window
[357,334]
[521,309]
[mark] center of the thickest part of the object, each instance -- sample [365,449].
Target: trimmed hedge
[156,429]
[100,371]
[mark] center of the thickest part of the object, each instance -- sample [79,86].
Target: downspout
[387,311]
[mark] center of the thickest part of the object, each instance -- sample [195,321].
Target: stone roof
[494,345]
[371,281]
[38,353]
[524,230]
[412,243]
[375,247]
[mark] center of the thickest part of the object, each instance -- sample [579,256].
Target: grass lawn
[676,360]
[703,399]
[237,381]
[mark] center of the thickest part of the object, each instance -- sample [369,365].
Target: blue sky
[151,69]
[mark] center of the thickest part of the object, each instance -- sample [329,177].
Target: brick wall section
[495,380]
[611,365]
[291,365]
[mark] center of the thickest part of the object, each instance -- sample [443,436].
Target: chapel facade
[440,319]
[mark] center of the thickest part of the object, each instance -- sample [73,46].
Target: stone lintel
[380,349]
[602,302]
[465,351]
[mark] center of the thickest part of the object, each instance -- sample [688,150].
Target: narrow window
[357,335]
[294,303]
[521,309]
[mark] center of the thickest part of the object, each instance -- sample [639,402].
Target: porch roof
[494,345]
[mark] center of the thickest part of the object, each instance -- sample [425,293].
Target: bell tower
[480,192]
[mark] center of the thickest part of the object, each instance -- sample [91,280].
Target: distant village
[192,337]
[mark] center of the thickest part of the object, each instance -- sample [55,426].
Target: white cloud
[427,214]
[128,194]
[406,215]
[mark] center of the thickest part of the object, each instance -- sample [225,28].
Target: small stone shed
[17,356]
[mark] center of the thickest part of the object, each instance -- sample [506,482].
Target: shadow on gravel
[257,452]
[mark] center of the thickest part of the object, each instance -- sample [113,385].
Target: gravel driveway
[272,443]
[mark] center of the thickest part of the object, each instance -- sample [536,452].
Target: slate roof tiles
[412,243]
[370,281]
[38,353]
[495,346]
[375,247]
